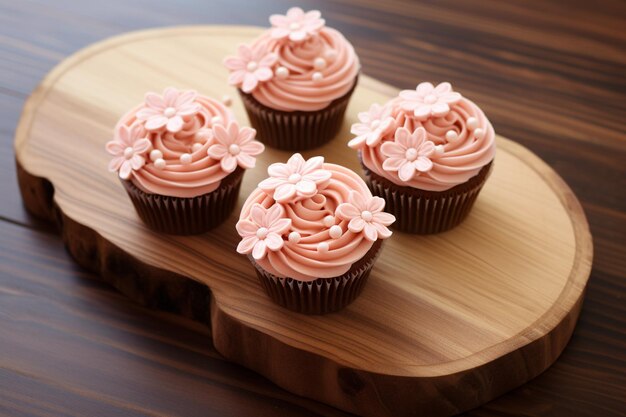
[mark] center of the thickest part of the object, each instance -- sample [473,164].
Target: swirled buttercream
[439,139]
[311,64]
[194,140]
[316,234]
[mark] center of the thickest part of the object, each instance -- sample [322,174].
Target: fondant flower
[168,110]
[366,215]
[235,146]
[296,24]
[296,178]
[408,153]
[251,66]
[426,100]
[264,231]
[127,149]
[375,123]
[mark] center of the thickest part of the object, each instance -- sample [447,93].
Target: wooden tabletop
[549,75]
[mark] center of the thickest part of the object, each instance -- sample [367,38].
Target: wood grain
[436,342]
[521,60]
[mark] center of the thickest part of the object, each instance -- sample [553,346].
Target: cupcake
[427,152]
[312,230]
[295,80]
[181,157]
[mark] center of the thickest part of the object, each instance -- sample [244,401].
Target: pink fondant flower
[296,24]
[375,123]
[127,149]
[234,146]
[264,231]
[366,214]
[296,178]
[409,153]
[426,100]
[168,110]
[253,65]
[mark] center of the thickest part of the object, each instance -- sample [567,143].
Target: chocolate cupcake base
[427,212]
[297,130]
[324,295]
[186,216]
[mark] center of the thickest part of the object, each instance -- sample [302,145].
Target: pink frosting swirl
[309,73]
[464,142]
[184,163]
[321,241]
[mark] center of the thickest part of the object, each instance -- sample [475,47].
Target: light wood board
[446,322]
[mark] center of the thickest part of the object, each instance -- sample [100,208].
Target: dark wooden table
[550,75]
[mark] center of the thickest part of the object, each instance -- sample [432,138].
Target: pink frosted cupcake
[295,80]
[181,157]
[312,230]
[427,152]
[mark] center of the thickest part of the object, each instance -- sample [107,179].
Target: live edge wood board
[446,322]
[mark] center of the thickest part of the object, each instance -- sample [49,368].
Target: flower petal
[221,135]
[136,162]
[245,135]
[146,113]
[125,170]
[115,148]
[247,244]
[312,164]
[270,184]
[245,161]
[142,145]
[375,205]
[116,163]
[186,97]
[273,214]
[234,63]
[440,109]
[246,228]
[357,142]
[424,88]
[228,163]
[393,150]
[245,52]
[217,151]
[156,122]
[384,218]
[257,213]
[175,124]
[393,164]
[274,242]
[422,112]
[319,176]
[382,231]
[263,74]
[402,138]
[423,164]
[370,232]
[427,148]
[268,60]
[306,188]
[284,192]
[410,95]
[169,96]
[346,211]
[279,170]
[297,36]
[236,77]
[154,101]
[406,172]
[233,131]
[190,109]
[253,148]
[249,82]
[279,33]
[357,200]
[360,129]
[373,138]
[356,224]
[259,250]
[280,226]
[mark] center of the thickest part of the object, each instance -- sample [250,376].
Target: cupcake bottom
[427,212]
[297,130]
[186,216]
[324,295]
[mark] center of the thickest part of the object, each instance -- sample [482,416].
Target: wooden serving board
[446,322]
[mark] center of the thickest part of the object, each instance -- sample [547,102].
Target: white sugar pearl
[319,63]
[159,163]
[322,247]
[335,232]
[227,100]
[282,73]
[185,159]
[329,221]
[196,147]
[294,237]
[472,123]
[451,135]
[203,135]
[479,133]
[330,55]
[156,154]
[439,149]
[216,120]
[317,77]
